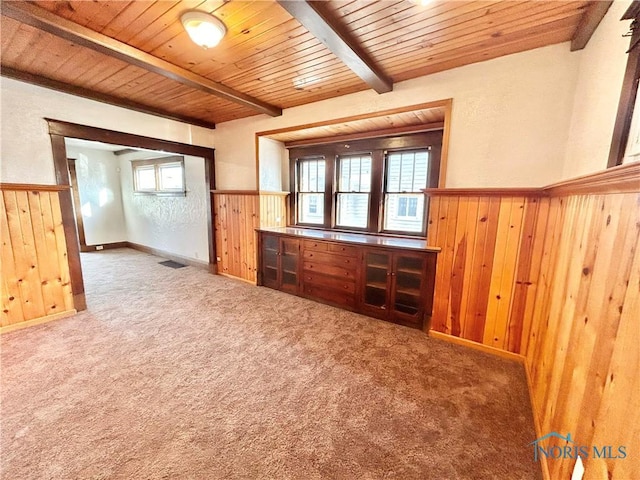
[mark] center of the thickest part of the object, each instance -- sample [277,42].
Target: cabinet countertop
[356,238]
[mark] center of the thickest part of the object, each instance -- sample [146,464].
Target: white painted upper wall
[177,225]
[25,147]
[273,160]
[597,93]
[527,119]
[510,120]
[98,173]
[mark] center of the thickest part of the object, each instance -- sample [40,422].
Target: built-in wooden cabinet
[388,278]
[329,272]
[394,285]
[280,263]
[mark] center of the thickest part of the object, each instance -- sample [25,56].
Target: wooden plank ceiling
[267,54]
[420,119]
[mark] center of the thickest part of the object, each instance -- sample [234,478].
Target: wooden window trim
[295,182]
[338,160]
[434,169]
[377,147]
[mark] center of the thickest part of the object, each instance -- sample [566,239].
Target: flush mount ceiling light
[204,29]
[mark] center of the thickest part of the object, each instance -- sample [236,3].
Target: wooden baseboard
[250,282]
[105,246]
[168,255]
[36,321]
[477,346]
[536,420]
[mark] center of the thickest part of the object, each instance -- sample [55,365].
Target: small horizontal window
[159,176]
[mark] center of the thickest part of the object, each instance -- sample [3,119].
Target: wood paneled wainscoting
[35,268]
[553,275]
[583,354]
[484,272]
[237,215]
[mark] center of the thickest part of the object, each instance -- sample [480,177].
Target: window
[311,182]
[407,207]
[354,185]
[145,178]
[406,175]
[313,205]
[170,177]
[159,176]
[373,185]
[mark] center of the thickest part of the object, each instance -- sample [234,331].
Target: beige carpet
[181,374]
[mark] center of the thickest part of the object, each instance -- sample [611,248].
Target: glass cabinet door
[377,268]
[270,250]
[408,273]
[289,261]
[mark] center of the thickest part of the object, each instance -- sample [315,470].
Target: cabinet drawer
[330,296]
[343,249]
[334,270]
[334,283]
[330,258]
[318,246]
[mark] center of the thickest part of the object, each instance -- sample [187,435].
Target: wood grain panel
[582,352]
[35,270]
[480,282]
[418,36]
[64,61]
[270,55]
[236,216]
[273,209]
[555,277]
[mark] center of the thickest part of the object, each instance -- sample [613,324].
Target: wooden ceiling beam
[336,38]
[99,97]
[591,18]
[44,20]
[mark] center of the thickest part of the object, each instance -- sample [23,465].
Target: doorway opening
[64,135]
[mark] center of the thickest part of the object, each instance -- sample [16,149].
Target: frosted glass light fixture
[204,29]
